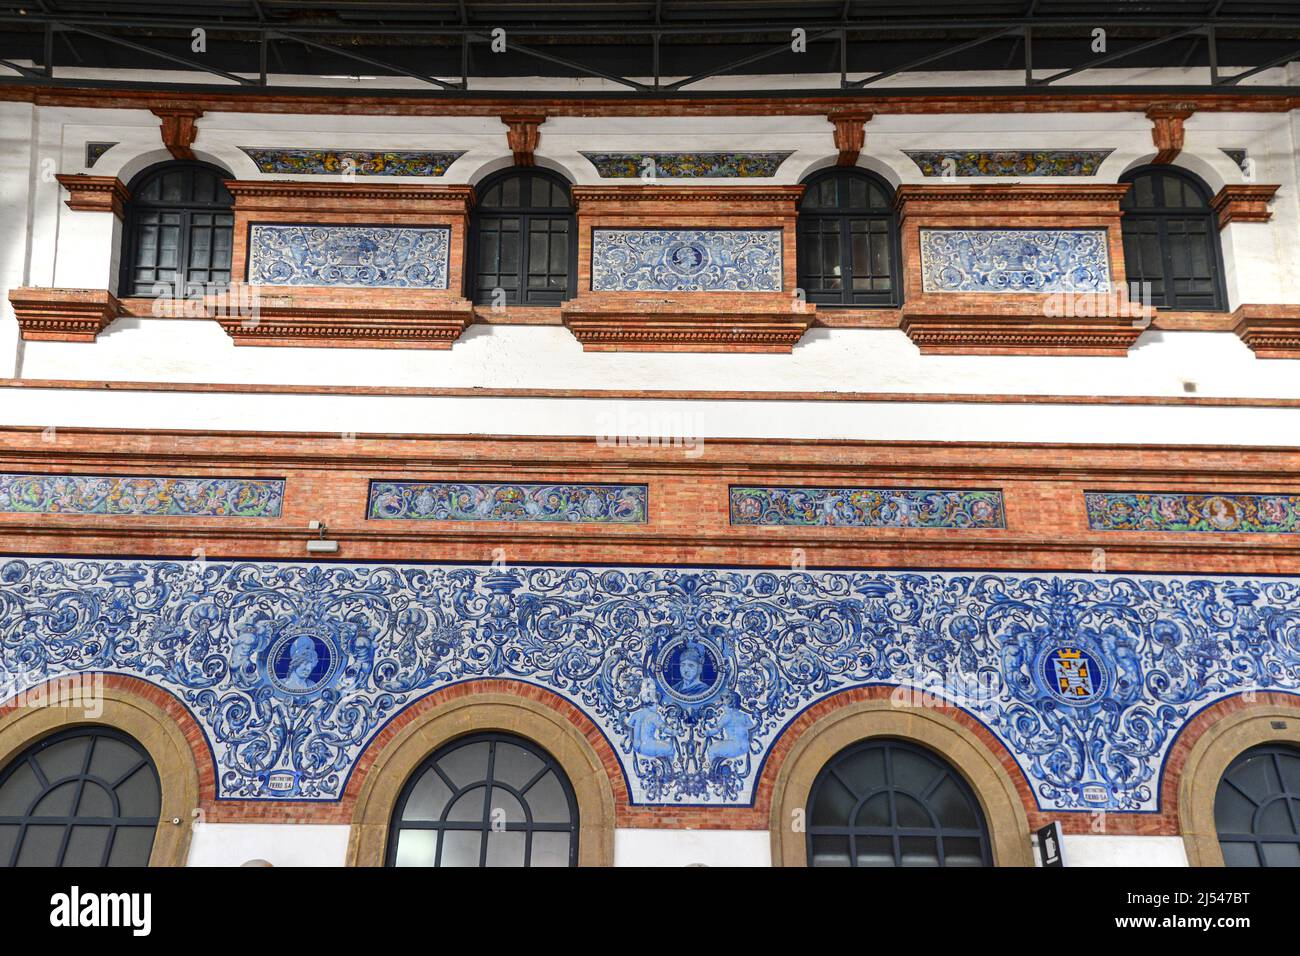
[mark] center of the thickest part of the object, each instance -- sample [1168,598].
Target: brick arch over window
[152,717]
[522,710]
[1207,746]
[824,730]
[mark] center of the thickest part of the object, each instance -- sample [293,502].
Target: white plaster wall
[281,844]
[687,420]
[647,847]
[1102,850]
[16,165]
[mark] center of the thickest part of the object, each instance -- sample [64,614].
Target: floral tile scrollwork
[729,165]
[1015,260]
[500,501]
[1008,162]
[371,257]
[686,260]
[1177,511]
[141,495]
[867,507]
[691,674]
[360,162]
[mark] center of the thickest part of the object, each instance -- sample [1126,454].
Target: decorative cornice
[178,128]
[684,323]
[94,193]
[653,192]
[1270,331]
[343,326]
[850,135]
[300,190]
[63,315]
[523,135]
[1009,192]
[998,330]
[1167,129]
[1243,202]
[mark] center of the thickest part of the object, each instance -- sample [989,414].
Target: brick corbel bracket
[63,315]
[1013,323]
[1167,130]
[178,129]
[1270,331]
[94,193]
[523,135]
[1243,202]
[606,321]
[336,316]
[850,135]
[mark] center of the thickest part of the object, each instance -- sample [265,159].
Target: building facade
[768,477]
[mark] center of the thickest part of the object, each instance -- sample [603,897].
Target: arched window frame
[114,823]
[939,832]
[1273,752]
[528,215]
[187,211]
[1161,218]
[880,219]
[429,765]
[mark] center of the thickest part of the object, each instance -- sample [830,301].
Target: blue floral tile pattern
[371,257]
[1008,162]
[686,260]
[867,507]
[499,501]
[691,674]
[141,495]
[361,162]
[96,150]
[687,165]
[1176,511]
[1015,260]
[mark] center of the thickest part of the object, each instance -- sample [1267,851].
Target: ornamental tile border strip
[1184,512]
[862,507]
[508,501]
[671,165]
[1015,260]
[692,674]
[148,495]
[1007,162]
[360,162]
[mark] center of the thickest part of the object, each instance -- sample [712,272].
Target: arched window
[888,803]
[1257,808]
[486,800]
[1171,239]
[179,228]
[84,797]
[848,240]
[525,239]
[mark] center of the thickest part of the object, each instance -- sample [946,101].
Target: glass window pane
[461,847]
[506,848]
[833,804]
[57,802]
[962,851]
[910,812]
[550,849]
[139,794]
[919,851]
[505,808]
[86,846]
[875,812]
[417,848]
[950,805]
[131,846]
[1256,776]
[912,771]
[468,807]
[875,851]
[8,840]
[111,759]
[63,759]
[18,792]
[548,801]
[830,850]
[1274,820]
[466,765]
[1281,854]
[428,798]
[1240,854]
[95,802]
[41,846]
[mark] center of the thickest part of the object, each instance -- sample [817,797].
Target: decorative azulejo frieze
[868,507]
[501,501]
[728,165]
[1008,162]
[1177,511]
[96,150]
[141,495]
[1015,260]
[359,162]
[371,257]
[691,674]
[686,260]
